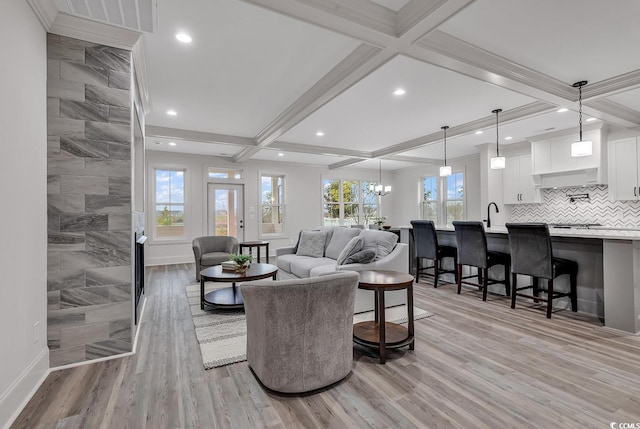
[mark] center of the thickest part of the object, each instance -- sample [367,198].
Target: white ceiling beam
[612,112]
[361,12]
[197,136]
[419,17]
[345,163]
[414,159]
[318,150]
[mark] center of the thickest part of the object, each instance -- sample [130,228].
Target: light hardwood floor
[476,365]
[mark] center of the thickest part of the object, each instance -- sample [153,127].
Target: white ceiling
[276,71]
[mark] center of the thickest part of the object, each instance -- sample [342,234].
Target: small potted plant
[380,221]
[242,261]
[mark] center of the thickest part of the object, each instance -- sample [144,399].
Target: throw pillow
[311,244]
[361,257]
[353,246]
[339,239]
[381,242]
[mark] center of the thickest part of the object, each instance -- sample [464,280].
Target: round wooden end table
[231,297]
[379,333]
[257,244]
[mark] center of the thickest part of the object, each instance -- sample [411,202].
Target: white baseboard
[16,397]
[168,260]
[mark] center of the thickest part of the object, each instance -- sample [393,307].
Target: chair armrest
[397,260]
[284,251]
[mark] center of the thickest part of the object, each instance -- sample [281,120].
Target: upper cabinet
[624,156]
[518,181]
[553,165]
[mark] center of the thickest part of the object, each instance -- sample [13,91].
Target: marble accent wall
[89,200]
[557,207]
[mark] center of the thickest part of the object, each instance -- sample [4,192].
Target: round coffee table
[378,333]
[230,297]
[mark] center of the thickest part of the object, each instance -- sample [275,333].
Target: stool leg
[507,282]
[574,291]
[436,270]
[417,269]
[485,282]
[536,288]
[479,276]
[459,270]
[455,264]
[514,288]
[549,298]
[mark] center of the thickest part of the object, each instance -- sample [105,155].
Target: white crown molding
[140,74]
[612,112]
[414,159]
[197,136]
[345,163]
[415,12]
[45,10]
[362,12]
[93,31]
[318,150]
[611,86]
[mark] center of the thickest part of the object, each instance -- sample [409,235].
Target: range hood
[553,166]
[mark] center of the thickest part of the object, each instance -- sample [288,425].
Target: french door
[225,210]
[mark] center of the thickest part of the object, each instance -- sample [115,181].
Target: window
[272,204]
[443,198]
[430,199]
[223,173]
[454,197]
[348,202]
[169,204]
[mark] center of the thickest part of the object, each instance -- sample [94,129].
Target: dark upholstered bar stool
[531,255]
[426,247]
[472,251]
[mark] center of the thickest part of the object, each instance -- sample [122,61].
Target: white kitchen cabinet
[624,171]
[518,181]
[554,155]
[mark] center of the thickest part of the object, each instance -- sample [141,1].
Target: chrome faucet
[489,213]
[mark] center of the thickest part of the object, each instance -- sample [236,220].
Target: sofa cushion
[354,245]
[214,258]
[361,257]
[283,262]
[329,231]
[311,243]
[381,242]
[339,240]
[322,270]
[302,266]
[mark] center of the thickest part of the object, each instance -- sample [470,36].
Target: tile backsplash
[557,207]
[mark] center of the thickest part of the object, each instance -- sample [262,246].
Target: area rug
[222,335]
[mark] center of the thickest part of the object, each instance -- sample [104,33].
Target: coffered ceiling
[262,77]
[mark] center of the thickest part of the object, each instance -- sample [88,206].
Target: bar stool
[532,255]
[472,251]
[426,247]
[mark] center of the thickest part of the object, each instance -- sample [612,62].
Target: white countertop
[600,232]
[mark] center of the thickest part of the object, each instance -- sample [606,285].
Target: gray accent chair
[426,246]
[300,332]
[212,250]
[532,255]
[472,251]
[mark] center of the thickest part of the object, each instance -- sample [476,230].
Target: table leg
[382,327]
[201,292]
[375,305]
[258,254]
[410,316]
[267,253]
[233,288]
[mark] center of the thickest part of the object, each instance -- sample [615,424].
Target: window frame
[441,198]
[359,200]
[445,198]
[282,205]
[154,238]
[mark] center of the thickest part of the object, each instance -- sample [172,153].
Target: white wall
[303,199]
[407,195]
[23,217]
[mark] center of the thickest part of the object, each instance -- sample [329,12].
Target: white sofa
[292,265]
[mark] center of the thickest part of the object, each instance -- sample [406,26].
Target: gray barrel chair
[212,250]
[300,332]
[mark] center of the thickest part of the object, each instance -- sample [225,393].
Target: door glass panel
[225,210]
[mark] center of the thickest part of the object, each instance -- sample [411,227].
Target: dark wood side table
[230,297]
[380,333]
[251,244]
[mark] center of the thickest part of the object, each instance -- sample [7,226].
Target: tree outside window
[454,197]
[272,204]
[348,202]
[169,204]
[430,198]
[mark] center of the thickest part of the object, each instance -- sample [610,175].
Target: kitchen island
[608,275]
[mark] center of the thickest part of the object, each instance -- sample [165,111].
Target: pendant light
[445,170]
[380,190]
[581,147]
[497,162]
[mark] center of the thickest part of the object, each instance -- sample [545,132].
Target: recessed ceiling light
[158,142]
[399,91]
[280,154]
[172,112]
[183,37]
[172,143]
[508,138]
[478,132]
[562,110]
[319,133]
[591,119]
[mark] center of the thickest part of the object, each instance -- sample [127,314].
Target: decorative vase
[241,269]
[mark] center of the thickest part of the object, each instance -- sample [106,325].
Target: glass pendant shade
[445,171]
[497,163]
[379,188]
[581,148]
